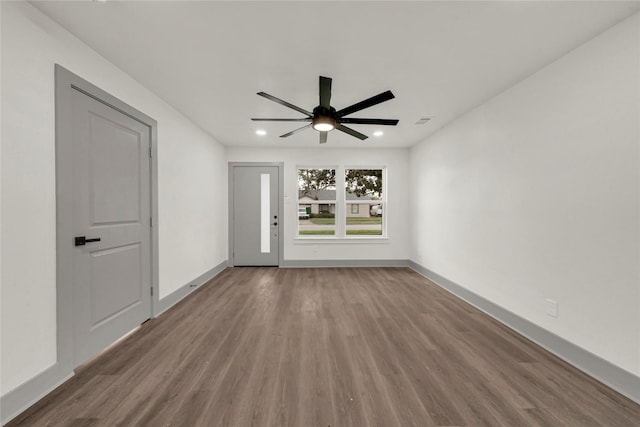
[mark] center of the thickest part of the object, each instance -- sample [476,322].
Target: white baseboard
[176,296]
[328,263]
[16,401]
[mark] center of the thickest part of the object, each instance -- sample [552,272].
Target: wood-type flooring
[327,347]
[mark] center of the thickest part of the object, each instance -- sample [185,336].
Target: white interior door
[255,215]
[111,222]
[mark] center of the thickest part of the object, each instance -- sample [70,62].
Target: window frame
[342,206]
[382,202]
[318,202]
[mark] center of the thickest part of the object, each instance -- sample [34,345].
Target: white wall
[193,204]
[192,185]
[397,163]
[535,195]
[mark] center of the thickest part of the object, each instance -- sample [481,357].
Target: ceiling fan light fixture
[324,123]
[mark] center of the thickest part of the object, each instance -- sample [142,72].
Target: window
[364,197]
[316,202]
[338,202]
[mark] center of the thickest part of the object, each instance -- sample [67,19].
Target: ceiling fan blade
[295,131]
[383,122]
[285,103]
[325,92]
[382,97]
[323,137]
[351,131]
[306,119]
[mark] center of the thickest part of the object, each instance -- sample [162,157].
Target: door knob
[82,240]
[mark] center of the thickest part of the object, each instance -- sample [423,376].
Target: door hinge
[150,152]
[151,222]
[152,291]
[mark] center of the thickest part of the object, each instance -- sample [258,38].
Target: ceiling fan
[325,118]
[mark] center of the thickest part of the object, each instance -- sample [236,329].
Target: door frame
[280,166]
[65,83]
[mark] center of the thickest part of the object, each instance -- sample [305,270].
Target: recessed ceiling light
[378,133]
[261,132]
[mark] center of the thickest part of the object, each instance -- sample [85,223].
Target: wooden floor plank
[327,347]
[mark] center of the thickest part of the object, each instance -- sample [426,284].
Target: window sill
[340,240]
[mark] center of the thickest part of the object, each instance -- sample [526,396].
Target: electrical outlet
[552,308]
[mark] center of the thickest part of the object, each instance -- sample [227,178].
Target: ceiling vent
[423,120]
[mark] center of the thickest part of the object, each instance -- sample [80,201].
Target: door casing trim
[280,166]
[65,83]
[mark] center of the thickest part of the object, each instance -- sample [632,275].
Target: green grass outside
[316,232]
[350,221]
[323,221]
[364,220]
[364,233]
[332,232]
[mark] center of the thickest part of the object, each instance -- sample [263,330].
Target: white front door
[255,215]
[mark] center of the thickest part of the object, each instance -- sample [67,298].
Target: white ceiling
[209,58]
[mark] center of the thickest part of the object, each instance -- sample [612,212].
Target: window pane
[363,184]
[316,184]
[367,222]
[363,193]
[317,219]
[316,202]
[265,212]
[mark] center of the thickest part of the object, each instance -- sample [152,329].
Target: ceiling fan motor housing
[324,119]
